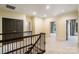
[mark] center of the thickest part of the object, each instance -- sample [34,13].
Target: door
[53,27]
[11,25]
[71,28]
[19,28]
[53,30]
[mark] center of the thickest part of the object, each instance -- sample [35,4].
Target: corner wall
[61,24]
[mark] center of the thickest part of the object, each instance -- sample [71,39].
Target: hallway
[58,47]
[48,18]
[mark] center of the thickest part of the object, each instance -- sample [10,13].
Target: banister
[18,38]
[14,32]
[35,43]
[10,42]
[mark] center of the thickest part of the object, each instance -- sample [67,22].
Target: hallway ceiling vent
[10,7]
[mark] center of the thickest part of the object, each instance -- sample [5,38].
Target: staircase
[32,44]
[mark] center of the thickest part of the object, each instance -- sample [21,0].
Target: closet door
[10,26]
[19,28]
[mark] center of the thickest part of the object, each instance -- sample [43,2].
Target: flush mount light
[47,7]
[34,13]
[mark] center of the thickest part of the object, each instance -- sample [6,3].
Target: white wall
[43,25]
[47,22]
[38,25]
[61,24]
[14,15]
[0,29]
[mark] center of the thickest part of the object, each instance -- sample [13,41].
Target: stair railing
[31,44]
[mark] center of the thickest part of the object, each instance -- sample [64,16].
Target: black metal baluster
[12,47]
[7,47]
[33,48]
[20,47]
[36,44]
[2,47]
[40,42]
[23,45]
[44,42]
[42,38]
[31,40]
[26,44]
[16,46]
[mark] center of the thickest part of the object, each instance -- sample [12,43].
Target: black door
[11,26]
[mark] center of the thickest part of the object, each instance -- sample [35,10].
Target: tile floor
[54,46]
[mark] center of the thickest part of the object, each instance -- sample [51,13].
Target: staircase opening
[32,44]
[72,31]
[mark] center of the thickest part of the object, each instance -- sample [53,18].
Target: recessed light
[47,7]
[34,13]
[45,15]
[62,10]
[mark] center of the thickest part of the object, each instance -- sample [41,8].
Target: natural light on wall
[38,25]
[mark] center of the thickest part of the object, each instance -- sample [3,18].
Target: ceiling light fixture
[47,7]
[34,13]
[62,10]
[45,15]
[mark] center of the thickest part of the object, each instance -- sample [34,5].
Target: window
[53,27]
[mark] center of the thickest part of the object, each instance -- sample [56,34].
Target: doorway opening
[53,30]
[72,31]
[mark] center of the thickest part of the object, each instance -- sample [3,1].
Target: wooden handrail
[19,38]
[15,32]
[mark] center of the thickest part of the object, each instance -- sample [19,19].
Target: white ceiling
[40,9]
